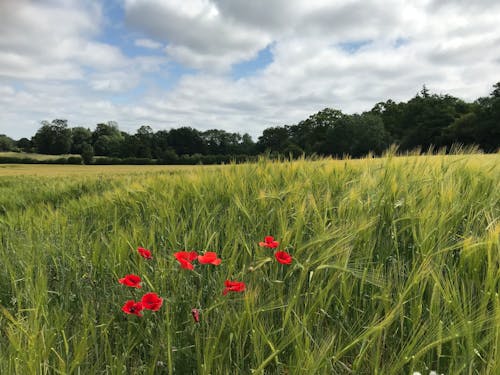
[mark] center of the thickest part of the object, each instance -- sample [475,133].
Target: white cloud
[318,59]
[197,34]
[147,43]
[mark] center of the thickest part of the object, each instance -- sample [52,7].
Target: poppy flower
[145,253]
[209,258]
[185,258]
[131,280]
[233,286]
[283,257]
[151,301]
[196,315]
[269,242]
[133,308]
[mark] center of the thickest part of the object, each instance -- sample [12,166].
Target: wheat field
[395,267]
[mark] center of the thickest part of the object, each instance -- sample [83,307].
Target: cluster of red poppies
[151,301]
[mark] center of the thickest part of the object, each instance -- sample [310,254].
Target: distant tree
[186,141]
[487,132]
[144,139]
[6,143]
[24,144]
[247,145]
[357,135]
[220,142]
[160,144]
[53,138]
[274,139]
[426,119]
[87,153]
[392,114]
[496,90]
[80,136]
[107,139]
[310,134]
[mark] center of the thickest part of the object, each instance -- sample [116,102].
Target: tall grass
[396,269]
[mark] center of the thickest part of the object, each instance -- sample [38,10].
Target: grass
[90,170]
[396,268]
[32,155]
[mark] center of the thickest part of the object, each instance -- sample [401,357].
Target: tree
[310,134]
[80,136]
[186,141]
[275,139]
[496,90]
[6,143]
[426,119]
[107,139]
[487,133]
[247,145]
[53,138]
[159,143]
[144,139]
[87,153]
[25,145]
[220,142]
[357,135]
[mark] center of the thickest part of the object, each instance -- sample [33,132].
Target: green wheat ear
[395,268]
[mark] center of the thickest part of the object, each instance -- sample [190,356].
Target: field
[35,156]
[395,267]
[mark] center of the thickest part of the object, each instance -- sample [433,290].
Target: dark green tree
[310,134]
[186,141]
[274,139]
[53,138]
[357,135]
[87,153]
[107,139]
[80,136]
[144,139]
[24,144]
[6,143]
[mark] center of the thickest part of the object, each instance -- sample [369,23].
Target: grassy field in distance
[65,170]
[395,267]
[35,156]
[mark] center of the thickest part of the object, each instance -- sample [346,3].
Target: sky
[237,65]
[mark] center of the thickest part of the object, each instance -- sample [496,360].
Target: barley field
[395,267]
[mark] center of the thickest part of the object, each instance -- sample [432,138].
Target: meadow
[395,267]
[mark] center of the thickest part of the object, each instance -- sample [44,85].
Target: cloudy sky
[237,65]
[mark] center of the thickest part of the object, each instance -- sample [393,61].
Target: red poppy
[196,315]
[185,258]
[233,286]
[209,258]
[132,307]
[283,257]
[151,301]
[269,242]
[132,280]
[145,253]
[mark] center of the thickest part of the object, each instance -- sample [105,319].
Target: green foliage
[395,269]
[53,138]
[356,135]
[6,143]
[25,145]
[79,137]
[87,153]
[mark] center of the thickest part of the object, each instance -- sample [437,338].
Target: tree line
[425,120]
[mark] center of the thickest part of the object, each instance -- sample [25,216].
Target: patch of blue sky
[352,47]
[250,67]
[130,97]
[401,42]
[115,33]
